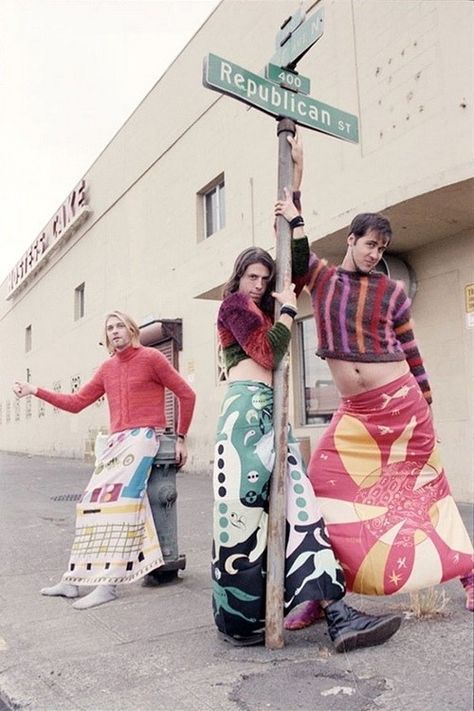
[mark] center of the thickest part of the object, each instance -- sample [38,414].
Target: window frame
[28,338]
[215,187]
[80,301]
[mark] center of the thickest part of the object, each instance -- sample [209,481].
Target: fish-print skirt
[383,493]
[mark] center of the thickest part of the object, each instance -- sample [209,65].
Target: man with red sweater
[116,540]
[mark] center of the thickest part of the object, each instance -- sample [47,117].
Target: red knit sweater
[134,382]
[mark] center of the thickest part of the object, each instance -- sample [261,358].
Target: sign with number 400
[288,79]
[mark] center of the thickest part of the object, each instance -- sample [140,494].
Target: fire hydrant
[162,494]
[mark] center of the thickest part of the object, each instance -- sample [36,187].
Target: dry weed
[428,603]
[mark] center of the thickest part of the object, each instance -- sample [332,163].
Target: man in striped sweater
[377,473]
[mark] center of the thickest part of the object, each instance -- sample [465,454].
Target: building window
[79,301]
[211,208]
[320,398]
[28,339]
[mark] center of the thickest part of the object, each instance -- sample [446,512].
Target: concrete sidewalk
[156,648]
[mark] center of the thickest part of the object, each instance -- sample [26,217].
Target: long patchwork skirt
[116,540]
[243,464]
[382,489]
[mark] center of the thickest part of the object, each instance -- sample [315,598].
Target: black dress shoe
[238,641]
[350,629]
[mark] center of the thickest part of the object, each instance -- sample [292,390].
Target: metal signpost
[282,93]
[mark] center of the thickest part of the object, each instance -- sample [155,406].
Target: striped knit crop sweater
[363,318]
[134,382]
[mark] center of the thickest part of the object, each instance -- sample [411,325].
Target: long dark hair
[253,255]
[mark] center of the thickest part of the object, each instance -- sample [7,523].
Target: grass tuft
[427,604]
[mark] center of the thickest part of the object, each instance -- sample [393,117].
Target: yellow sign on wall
[469,304]
[469,297]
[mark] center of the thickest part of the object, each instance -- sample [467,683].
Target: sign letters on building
[66,220]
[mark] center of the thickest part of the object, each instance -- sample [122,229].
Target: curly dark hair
[253,255]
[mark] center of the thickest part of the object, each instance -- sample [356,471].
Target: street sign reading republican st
[228,78]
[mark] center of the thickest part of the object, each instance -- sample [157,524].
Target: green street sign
[287,79]
[299,41]
[224,76]
[289,26]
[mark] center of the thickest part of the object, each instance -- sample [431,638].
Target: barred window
[320,398]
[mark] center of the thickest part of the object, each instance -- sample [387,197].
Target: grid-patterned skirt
[116,540]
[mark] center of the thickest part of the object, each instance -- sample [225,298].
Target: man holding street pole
[253,344]
[377,473]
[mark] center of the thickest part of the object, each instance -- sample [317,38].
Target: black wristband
[289,311]
[181,436]
[296,222]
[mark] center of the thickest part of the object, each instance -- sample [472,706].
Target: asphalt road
[156,648]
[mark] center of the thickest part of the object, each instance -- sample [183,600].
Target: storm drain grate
[66,497]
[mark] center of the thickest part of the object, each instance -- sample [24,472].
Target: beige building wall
[390,63]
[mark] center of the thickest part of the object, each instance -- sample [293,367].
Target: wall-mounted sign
[469,303]
[66,220]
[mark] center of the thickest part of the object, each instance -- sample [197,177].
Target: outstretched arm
[24,389]
[296,144]
[300,255]
[71,402]
[286,208]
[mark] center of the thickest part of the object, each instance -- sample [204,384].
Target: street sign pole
[277,506]
[283,94]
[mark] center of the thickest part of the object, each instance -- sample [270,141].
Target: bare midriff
[350,378]
[248,369]
[356,378]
